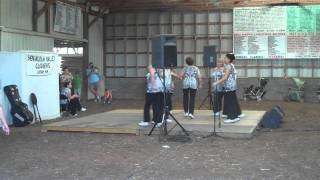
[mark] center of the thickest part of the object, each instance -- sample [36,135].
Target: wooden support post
[43,9]
[101,13]
[47,20]
[34,12]
[85,56]
[104,46]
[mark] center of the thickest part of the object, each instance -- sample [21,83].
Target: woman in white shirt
[191,81]
[153,97]
[231,105]
[218,91]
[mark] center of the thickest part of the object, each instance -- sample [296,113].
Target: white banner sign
[276,32]
[40,64]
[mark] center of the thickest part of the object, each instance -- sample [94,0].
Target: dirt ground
[291,152]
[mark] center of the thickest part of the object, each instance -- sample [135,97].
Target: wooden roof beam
[43,9]
[101,13]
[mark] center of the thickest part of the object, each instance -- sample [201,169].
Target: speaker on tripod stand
[209,61]
[164,51]
[209,56]
[164,56]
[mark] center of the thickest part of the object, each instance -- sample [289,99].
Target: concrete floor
[291,152]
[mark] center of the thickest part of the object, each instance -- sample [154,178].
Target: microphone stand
[209,95]
[215,103]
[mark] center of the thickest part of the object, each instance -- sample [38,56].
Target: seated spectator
[71,103]
[107,96]
[3,122]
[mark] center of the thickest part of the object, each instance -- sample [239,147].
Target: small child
[107,96]
[77,84]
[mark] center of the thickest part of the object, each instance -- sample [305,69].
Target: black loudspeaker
[164,51]
[273,118]
[209,56]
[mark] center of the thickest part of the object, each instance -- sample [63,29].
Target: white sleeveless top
[154,86]
[191,74]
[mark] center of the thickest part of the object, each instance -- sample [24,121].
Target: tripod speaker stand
[164,55]
[216,105]
[165,110]
[209,95]
[209,61]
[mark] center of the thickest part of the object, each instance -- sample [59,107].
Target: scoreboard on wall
[288,32]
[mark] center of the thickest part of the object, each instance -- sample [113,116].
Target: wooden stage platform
[125,121]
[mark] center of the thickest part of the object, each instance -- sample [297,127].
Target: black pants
[158,107]
[149,101]
[188,100]
[74,105]
[217,103]
[231,105]
[156,101]
[169,100]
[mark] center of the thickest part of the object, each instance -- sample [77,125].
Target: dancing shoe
[231,120]
[191,116]
[143,124]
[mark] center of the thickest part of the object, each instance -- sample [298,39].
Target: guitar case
[21,116]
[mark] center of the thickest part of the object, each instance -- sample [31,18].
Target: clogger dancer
[231,105]
[154,98]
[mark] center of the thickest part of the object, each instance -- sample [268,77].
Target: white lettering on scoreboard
[40,64]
